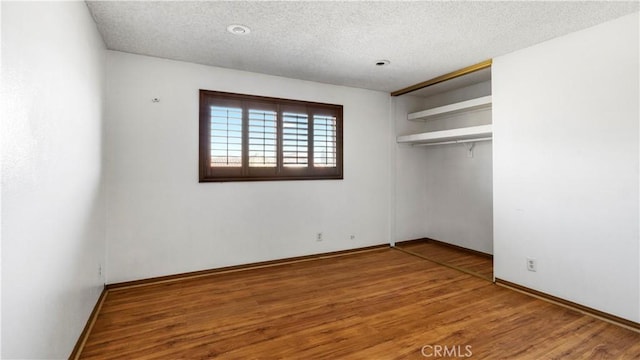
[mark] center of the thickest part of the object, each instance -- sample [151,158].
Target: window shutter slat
[324,141]
[225,136]
[295,143]
[262,138]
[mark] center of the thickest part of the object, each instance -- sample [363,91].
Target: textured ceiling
[339,42]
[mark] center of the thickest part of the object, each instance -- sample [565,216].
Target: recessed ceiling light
[382,62]
[236,29]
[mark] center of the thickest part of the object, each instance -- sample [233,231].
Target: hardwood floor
[476,264]
[382,304]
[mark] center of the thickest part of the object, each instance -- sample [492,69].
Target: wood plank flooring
[383,304]
[476,264]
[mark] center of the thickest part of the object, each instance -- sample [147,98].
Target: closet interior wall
[449,196]
[410,192]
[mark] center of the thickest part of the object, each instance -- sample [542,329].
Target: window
[252,138]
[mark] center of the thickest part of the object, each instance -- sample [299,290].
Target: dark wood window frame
[285,151]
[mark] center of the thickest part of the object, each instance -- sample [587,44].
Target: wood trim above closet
[452,75]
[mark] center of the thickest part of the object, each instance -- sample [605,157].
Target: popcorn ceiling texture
[339,42]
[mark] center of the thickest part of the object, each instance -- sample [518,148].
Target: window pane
[226,136]
[324,141]
[295,132]
[262,138]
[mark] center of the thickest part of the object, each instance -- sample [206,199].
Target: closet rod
[452,75]
[455,142]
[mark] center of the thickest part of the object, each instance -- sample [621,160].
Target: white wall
[409,189]
[52,199]
[2,114]
[566,167]
[162,221]
[459,197]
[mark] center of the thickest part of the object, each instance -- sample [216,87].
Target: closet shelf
[464,106]
[465,134]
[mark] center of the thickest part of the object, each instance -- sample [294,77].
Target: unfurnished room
[320,180]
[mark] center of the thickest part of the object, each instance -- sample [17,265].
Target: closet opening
[443,170]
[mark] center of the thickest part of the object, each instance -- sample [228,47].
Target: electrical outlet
[532,265]
[319,236]
[352,237]
[100,270]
